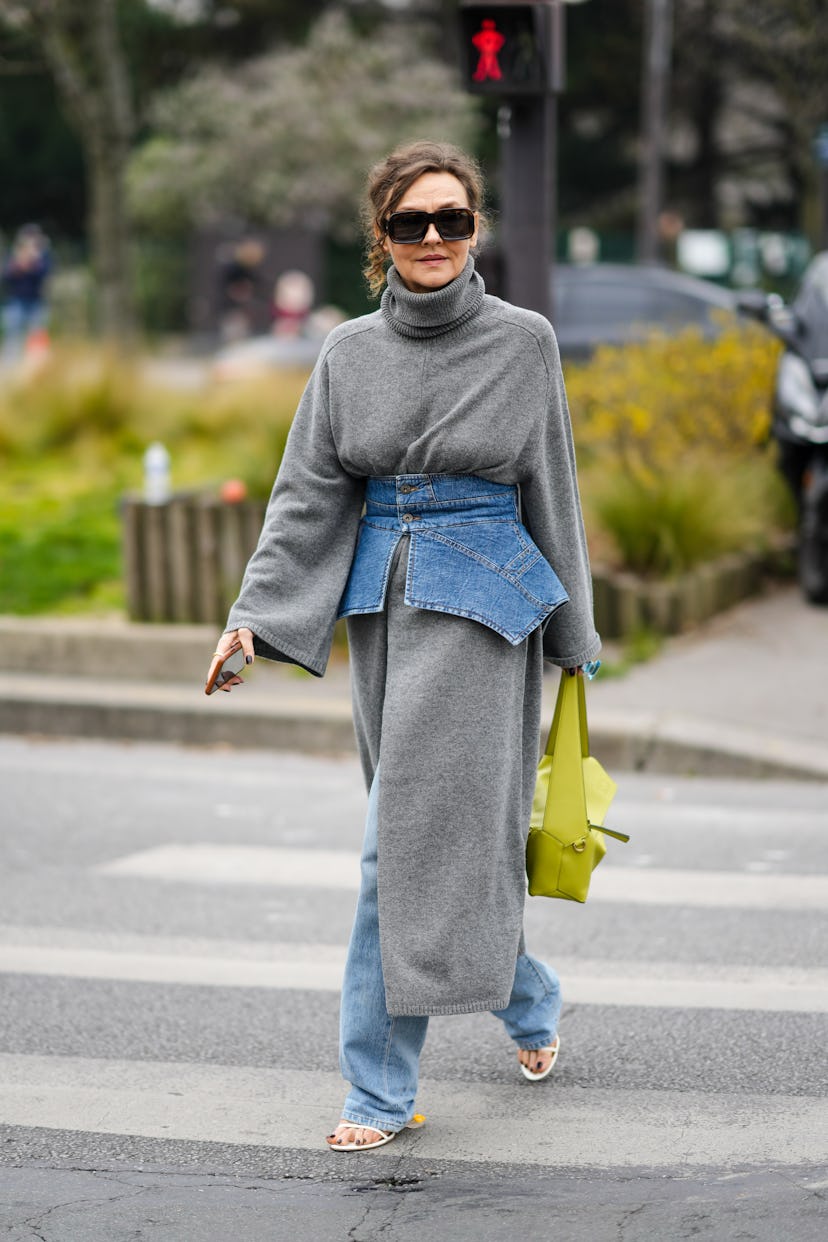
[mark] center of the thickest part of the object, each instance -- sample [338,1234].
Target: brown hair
[388,182]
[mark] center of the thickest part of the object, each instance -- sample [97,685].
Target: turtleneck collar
[432,314]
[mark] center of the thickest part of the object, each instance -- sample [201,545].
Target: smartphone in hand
[225,668]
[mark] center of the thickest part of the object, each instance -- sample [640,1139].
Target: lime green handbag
[572,796]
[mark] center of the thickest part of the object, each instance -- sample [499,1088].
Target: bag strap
[565,794]
[565,690]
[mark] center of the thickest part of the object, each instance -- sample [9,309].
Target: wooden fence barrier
[184,561]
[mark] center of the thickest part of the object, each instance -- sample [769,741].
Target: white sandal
[386,1136]
[553,1050]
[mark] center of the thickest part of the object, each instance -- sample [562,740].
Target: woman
[443,414]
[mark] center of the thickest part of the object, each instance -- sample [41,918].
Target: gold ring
[218,653]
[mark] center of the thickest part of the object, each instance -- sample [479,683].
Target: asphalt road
[172,931]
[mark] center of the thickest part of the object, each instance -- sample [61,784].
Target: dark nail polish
[248,659]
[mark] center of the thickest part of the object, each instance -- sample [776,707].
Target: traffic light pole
[528,203]
[514,52]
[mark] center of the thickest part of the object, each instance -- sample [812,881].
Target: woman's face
[431,263]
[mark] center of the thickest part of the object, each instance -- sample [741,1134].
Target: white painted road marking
[253,1105]
[319,968]
[203,863]
[240,864]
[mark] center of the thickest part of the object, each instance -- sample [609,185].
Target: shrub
[91,407]
[672,436]
[666,524]
[651,405]
[72,438]
[668,434]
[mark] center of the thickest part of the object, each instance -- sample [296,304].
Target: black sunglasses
[406,228]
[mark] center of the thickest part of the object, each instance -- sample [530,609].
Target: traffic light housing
[505,49]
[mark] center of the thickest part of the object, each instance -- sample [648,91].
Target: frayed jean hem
[374,1123]
[542,1041]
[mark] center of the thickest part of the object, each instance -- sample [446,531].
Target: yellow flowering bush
[647,406]
[672,437]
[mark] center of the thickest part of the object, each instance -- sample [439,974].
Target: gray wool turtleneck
[449,382]
[432,314]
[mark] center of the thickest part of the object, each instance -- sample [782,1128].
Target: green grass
[59,552]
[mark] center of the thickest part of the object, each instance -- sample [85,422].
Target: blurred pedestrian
[293,297]
[241,291]
[24,276]
[443,414]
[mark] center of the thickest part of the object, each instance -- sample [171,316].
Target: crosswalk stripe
[240,864]
[319,968]
[202,863]
[584,1127]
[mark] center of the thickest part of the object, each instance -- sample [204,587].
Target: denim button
[405,488]
[408,517]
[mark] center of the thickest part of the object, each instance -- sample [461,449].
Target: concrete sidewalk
[743,696]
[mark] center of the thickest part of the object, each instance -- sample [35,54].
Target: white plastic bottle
[156,474]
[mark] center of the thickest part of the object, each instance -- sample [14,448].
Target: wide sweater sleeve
[294,580]
[551,510]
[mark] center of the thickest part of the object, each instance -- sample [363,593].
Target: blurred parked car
[611,304]
[259,355]
[292,347]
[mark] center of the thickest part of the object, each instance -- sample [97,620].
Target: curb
[69,707]
[689,746]
[129,711]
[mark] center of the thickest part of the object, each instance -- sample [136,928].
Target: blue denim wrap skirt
[469,553]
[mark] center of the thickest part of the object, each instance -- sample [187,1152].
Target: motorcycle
[800,411]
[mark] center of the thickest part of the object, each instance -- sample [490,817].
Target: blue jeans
[380,1054]
[19,319]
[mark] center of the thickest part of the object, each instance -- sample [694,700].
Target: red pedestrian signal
[488,42]
[504,49]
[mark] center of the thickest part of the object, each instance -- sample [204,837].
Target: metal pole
[526,206]
[529,180]
[656,69]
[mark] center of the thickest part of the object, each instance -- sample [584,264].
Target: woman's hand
[224,646]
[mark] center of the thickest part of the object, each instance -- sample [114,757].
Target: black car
[611,304]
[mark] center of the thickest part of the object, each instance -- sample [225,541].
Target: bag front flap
[600,790]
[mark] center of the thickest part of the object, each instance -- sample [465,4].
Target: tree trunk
[81,43]
[109,238]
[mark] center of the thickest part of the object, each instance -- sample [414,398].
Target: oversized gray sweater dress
[449,382]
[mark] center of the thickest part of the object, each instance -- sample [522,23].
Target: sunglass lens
[408,227]
[454,224]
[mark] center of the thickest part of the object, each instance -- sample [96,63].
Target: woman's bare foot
[539,1061]
[347,1133]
